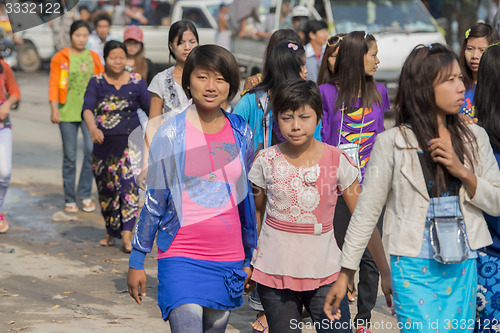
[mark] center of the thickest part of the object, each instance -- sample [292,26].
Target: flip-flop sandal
[264,328]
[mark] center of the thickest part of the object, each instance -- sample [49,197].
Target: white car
[39,45]
[397,25]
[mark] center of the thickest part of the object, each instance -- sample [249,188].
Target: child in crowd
[297,184]
[477,38]
[435,175]
[286,61]
[354,107]
[198,202]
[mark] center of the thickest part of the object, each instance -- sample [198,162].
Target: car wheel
[28,59]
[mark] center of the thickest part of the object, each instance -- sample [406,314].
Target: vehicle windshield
[380,16]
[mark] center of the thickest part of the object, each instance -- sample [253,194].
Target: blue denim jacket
[160,213]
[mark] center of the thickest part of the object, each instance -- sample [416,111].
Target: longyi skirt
[434,297]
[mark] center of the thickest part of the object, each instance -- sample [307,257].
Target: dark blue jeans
[283,308]
[69,134]
[368,271]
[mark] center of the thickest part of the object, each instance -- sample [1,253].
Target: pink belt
[299,228]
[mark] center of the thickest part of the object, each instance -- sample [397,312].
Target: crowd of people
[290,193]
[287,197]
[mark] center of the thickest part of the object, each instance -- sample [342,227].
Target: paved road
[54,277]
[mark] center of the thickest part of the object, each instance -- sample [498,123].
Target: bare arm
[5,107]
[55,116]
[95,134]
[260,198]
[155,120]
[375,245]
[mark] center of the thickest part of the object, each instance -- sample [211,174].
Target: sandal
[88,205]
[4,226]
[107,241]
[71,207]
[264,327]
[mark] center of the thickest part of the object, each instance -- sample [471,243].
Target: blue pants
[69,133]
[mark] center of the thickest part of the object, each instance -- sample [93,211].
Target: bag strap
[342,123]
[265,117]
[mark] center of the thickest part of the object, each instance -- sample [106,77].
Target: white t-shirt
[175,100]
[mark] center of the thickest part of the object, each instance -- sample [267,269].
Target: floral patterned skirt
[488,293]
[114,175]
[434,297]
[212,284]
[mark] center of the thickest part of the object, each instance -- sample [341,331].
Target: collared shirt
[312,62]
[95,44]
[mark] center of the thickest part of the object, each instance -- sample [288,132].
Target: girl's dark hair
[284,63]
[213,58]
[487,96]
[325,75]
[426,67]
[349,72]
[111,45]
[294,95]
[478,30]
[77,25]
[313,26]
[102,16]
[177,30]
[281,35]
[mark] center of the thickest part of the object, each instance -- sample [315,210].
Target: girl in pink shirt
[297,184]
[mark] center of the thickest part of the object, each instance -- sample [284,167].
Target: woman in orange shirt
[70,71]
[7,84]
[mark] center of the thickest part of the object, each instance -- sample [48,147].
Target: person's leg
[283,309]
[5,162]
[254,302]
[314,301]
[69,133]
[367,289]
[86,177]
[215,321]
[108,196]
[341,220]
[129,199]
[186,318]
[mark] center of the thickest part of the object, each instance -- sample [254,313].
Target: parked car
[39,45]
[397,25]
